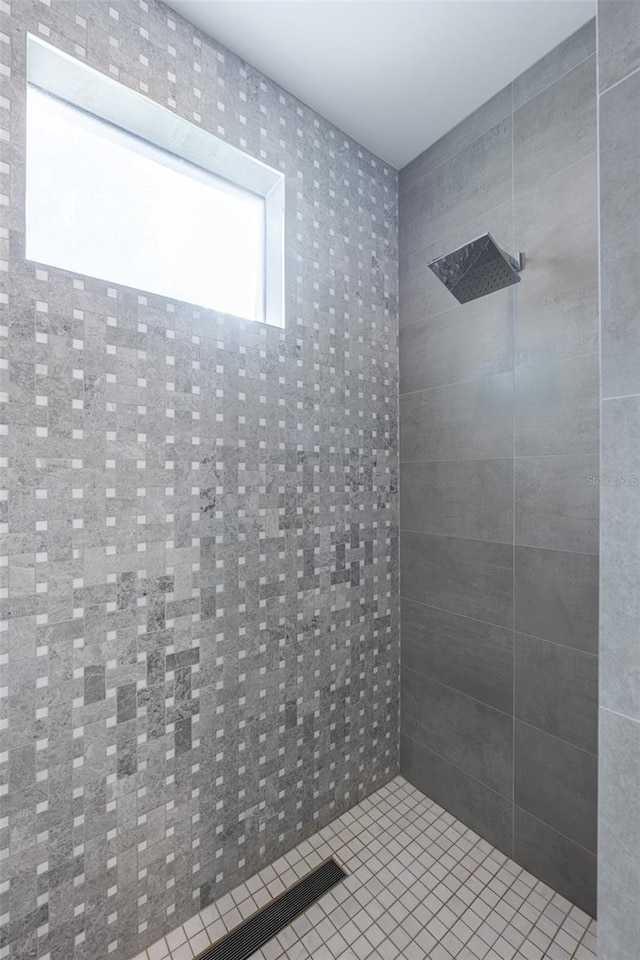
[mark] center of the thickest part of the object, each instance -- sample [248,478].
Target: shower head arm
[516,262]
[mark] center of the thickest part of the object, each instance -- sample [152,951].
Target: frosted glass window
[105,203]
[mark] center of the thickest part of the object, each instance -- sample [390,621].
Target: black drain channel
[249,936]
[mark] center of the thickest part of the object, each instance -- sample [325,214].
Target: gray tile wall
[619,786]
[498,437]
[201,654]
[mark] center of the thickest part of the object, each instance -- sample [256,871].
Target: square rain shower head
[477,268]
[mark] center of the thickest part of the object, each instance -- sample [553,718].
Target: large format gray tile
[558,861]
[557,219]
[619,168]
[555,64]
[480,808]
[473,657]
[469,577]
[556,690]
[477,178]
[556,596]
[464,133]
[472,736]
[466,342]
[557,408]
[448,439]
[459,421]
[620,238]
[556,503]
[556,316]
[460,498]
[557,128]
[618,40]
[619,837]
[421,293]
[620,354]
[557,782]
[620,569]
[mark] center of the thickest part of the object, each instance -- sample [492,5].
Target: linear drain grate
[249,936]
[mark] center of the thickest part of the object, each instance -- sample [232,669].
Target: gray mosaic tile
[200,524]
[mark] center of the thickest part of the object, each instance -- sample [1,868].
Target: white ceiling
[396,75]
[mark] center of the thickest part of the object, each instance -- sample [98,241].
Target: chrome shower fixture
[476,269]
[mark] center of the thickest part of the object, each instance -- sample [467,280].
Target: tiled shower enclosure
[212,681]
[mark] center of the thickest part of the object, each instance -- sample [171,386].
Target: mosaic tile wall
[199,540]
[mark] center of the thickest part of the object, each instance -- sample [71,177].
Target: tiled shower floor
[420,885]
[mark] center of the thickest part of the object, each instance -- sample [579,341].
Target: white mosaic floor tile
[420,886]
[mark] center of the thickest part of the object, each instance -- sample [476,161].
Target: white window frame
[72,81]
